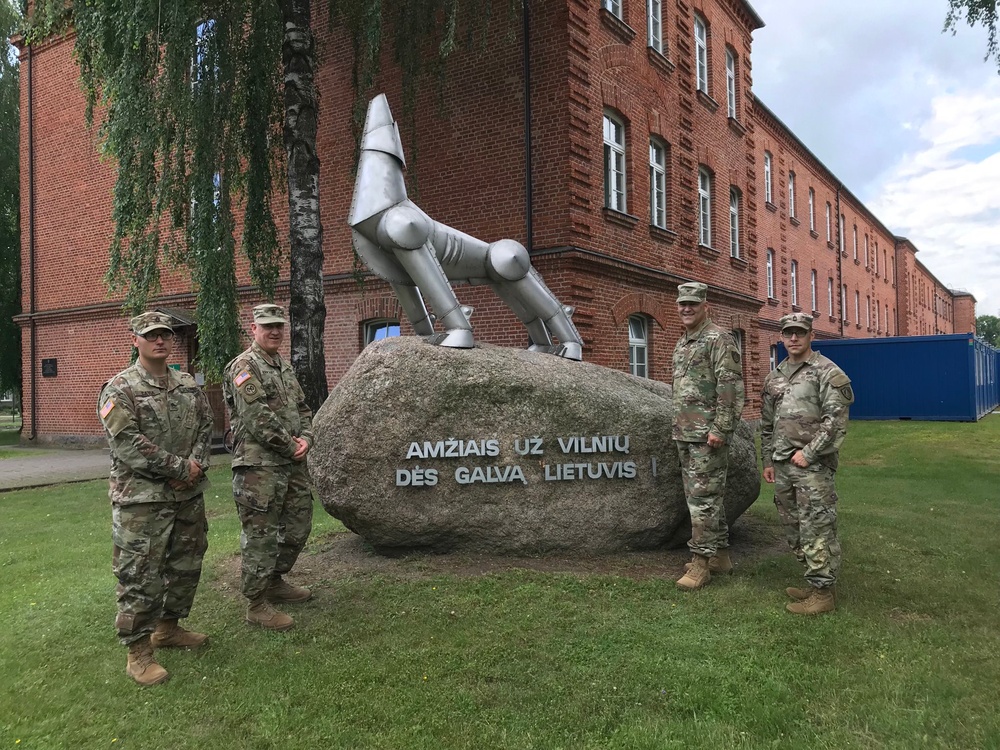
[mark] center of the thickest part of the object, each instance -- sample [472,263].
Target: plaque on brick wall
[50,367]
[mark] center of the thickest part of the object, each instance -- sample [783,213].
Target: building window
[705,207]
[812,210]
[842,240]
[855,242]
[857,307]
[205,63]
[876,257]
[638,346]
[614,163]
[829,227]
[614,7]
[734,222]
[878,321]
[887,318]
[376,330]
[791,194]
[829,296]
[772,357]
[731,82]
[866,252]
[768,195]
[701,52]
[812,289]
[770,273]
[868,312]
[738,340]
[654,16]
[657,184]
[794,281]
[843,303]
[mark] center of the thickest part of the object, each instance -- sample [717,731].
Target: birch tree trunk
[306,306]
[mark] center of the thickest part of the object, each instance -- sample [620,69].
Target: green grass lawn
[525,659]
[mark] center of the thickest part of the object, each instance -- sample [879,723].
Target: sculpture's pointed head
[381,133]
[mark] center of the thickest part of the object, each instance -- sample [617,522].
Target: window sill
[796,308]
[620,29]
[816,314]
[621,219]
[793,221]
[662,234]
[738,263]
[660,61]
[832,319]
[770,206]
[736,127]
[829,244]
[843,253]
[857,262]
[710,104]
[708,252]
[773,302]
[858,326]
[814,234]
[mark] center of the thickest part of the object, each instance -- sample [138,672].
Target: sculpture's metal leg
[537,332]
[541,304]
[413,305]
[423,267]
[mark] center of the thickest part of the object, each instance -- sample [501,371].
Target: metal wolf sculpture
[419,256]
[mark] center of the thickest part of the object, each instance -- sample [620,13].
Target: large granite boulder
[506,451]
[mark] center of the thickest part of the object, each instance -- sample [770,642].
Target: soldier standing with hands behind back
[708,401]
[804,415]
[272,431]
[159,427]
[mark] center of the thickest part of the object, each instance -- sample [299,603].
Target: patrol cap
[693,291]
[802,321]
[269,313]
[150,321]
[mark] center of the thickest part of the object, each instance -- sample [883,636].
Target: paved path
[39,467]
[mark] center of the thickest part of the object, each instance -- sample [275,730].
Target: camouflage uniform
[154,427]
[805,407]
[708,399]
[273,492]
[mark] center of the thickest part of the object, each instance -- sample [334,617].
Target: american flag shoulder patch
[243,377]
[106,409]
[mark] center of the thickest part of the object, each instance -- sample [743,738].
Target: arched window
[638,346]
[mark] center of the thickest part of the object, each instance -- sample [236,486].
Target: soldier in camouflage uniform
[804,416]
[159,426]
[708,401]
[272,431]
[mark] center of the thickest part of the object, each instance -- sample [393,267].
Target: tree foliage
[187,97]
[10,206]
[977,12]
[988,329]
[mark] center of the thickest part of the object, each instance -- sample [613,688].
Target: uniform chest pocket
[275,395]
[151,411]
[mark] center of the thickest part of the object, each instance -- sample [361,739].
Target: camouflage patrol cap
[693,291]
[802,321]
[263,314]
[151,321]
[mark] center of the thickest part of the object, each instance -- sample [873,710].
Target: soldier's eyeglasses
[794,334]
[152,336]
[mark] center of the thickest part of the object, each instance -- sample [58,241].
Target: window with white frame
[772,357]
[657,184]
[376,330]
[614,163]
[738,340]
[205,64]
[770,273]
[868,311]
[867,256]
[842,240]
[614,7]
[829,296]
[705,207]
[857,307]
[812,290]
[654,24]
[793,279]
[843,303]
[829,226]
[701,52]
[876,258]
[791,194]
[812,210]
[768,163]
[855,242]
[878,312]
[887,318]
[734,222]
[638,346]
[731,82]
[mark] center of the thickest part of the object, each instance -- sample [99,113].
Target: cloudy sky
[907,117]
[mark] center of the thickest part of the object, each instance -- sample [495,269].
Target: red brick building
[651,164]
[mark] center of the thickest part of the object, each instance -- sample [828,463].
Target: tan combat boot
[799,594]
[142,667]
[720,563]
[697,574]
[169,634]
[819,601]
[262,614]
[279,590]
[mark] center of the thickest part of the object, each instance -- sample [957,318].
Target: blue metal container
[952,377]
